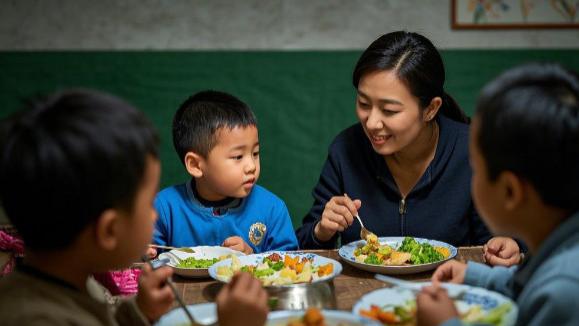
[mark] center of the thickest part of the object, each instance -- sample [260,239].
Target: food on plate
[192,262]
[409,252]
[312,317]
[406,314]
[276,269]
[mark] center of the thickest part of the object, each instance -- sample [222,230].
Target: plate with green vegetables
[397,255]
[196,262]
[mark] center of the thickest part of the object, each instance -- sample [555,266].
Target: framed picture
[502,14]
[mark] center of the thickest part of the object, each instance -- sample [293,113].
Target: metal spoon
[453,293]
[364,233]
[183,249]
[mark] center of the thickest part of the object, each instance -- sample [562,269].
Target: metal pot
[302,296]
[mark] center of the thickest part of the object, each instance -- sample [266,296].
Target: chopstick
[176,293]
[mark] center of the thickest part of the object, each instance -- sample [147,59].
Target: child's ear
[432,109]
[194,164]
[514,190]
[106,229]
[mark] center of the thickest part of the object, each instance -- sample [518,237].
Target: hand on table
[337,216]
[237,243]
[242,301]
[502,251]
[155,297]
[452,272]
[434,306]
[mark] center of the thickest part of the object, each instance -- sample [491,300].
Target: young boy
[215,136]
[524,151]
[78,175]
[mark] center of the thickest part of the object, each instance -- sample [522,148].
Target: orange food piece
[387,317]
[313,317]
[290,262]
[300,267]
[326,269]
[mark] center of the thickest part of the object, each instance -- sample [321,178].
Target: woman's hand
[155,297]
[242,301]
[434,307]
[452,271]
[501,251]
[338,215]
[237,243]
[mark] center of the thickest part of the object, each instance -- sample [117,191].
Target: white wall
[245,24]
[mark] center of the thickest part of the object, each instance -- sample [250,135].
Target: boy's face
[488,196]
[231,168]
[137,227]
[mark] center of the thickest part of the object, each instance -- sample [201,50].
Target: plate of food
[316,317]
[196,261]
[204,314]
[397,305]
[396,255]
[278,268]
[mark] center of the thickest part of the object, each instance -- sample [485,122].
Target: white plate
[201,252]
[331,317]
[256,259]
[204,313]
[347,254]
[473,296]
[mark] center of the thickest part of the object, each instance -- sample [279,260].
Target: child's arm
[242,301]
[161,232]
[493,278]
[434,307]
[281,235]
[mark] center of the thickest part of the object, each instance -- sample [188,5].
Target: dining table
[349,286]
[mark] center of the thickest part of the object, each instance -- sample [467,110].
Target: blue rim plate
[346,252]
[258,258]
[331,317]
[472,296]
[204,314]
[201,252]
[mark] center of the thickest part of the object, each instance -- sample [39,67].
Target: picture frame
[514,14]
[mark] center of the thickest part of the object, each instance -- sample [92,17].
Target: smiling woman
[405,164]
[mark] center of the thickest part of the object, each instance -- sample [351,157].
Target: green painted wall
[301,99]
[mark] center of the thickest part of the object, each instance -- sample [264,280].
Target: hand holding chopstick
[155,298]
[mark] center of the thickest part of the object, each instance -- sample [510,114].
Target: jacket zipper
[402,211]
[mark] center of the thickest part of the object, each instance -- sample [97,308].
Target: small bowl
[302,296]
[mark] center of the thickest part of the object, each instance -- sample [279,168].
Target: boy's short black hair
[68,158]
[529,124]
[202,115]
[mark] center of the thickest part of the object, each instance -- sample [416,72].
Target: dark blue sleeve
[330,184]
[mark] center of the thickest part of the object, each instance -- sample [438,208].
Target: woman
[404,168]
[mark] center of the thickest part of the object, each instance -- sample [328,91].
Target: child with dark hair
[78,175]
[215,135]
[524,150]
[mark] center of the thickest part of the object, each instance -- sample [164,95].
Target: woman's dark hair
[529,125]
[416,62]
[66,159]
[199,118]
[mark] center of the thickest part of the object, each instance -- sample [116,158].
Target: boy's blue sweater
[439,206]
[261,220]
